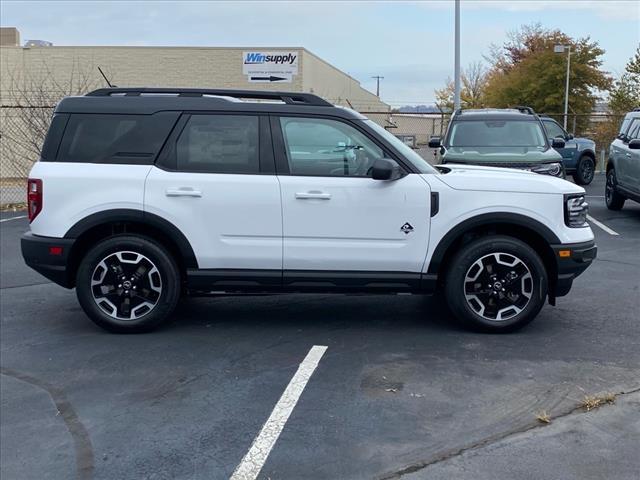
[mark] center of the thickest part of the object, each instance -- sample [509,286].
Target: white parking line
[255,458]
[601,225]
[12,218]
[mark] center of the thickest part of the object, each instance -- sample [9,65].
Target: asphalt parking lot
[400,392]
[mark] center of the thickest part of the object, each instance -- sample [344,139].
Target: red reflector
[55,250]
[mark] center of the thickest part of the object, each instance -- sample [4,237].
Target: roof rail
[290,98]
[524,109]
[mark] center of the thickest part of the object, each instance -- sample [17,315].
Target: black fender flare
[137,216]
[487,220]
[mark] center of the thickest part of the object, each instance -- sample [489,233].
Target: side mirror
[634,144]
[435,142]
[385,169]
[570,136]
[557,142]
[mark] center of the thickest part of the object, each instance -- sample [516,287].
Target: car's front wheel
[612,198]
[585,170]
[128,284]
[496,283]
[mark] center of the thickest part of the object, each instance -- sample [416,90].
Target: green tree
[526,71]
[623,97]
[473,80]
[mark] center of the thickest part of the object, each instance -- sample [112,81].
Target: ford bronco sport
[143,195]
[510,137]
[623,167]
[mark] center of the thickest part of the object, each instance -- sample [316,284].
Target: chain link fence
[22,131]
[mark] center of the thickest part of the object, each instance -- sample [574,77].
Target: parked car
[144,195]
[511,138]
[623,168]
[578,154]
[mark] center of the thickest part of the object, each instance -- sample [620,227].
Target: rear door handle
[313,195]
[182,192]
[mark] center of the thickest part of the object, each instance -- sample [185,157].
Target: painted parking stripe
[255,458]
[12,218]
[601,225]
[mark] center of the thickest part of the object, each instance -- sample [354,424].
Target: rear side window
[54,135]
[112,138]
[219,144]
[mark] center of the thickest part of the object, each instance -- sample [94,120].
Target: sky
[409,43]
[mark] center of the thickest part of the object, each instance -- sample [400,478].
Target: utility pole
[456,95]
[562,49]
[378,78]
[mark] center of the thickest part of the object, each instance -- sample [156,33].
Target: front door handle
[182,192]
[313,195]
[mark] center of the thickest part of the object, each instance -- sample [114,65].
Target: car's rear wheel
[128,283]
[612,198]
[496,284]
[585,170]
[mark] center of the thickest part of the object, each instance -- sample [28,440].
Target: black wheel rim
[126,285]
[498,286]
[608,191]
[587,169]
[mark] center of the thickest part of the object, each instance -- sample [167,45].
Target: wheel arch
[107,223]
[530,231]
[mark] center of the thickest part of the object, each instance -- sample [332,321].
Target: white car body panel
[236,222]
[358,226]
[464,203]
[73,191]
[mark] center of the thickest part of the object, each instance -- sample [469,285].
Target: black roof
[518,113]
[151,100]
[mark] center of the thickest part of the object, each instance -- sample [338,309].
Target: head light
[575,211]
[553,169]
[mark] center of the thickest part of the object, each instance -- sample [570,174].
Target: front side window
[634,129]
[322,147]
[503,134]
[219,144]
[553,129]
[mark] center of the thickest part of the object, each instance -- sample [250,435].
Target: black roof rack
[637,109]
[290,98]
[524,109]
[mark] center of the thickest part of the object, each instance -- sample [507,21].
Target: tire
[141,278]
[612,198]
[494,260]
[585,170]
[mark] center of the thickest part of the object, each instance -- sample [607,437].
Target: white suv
[144,195]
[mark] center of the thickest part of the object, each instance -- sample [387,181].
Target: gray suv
[623,168]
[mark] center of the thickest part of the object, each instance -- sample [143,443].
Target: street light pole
[456,94]
[566,88]
[562,49]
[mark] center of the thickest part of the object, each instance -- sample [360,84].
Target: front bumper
[48,256]
[571,260]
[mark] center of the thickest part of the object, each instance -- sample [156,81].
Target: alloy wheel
[498,286]
[587,170]
[126,285]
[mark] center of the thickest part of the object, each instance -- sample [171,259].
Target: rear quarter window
[114,138]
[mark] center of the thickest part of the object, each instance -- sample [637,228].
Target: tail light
[34,197]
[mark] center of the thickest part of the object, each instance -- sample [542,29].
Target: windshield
[497,134]
[406,151]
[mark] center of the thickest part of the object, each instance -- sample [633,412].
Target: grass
[543,417]
[591,402]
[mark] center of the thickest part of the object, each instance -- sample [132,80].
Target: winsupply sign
[270,67]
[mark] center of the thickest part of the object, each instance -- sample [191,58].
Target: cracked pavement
[399,393]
